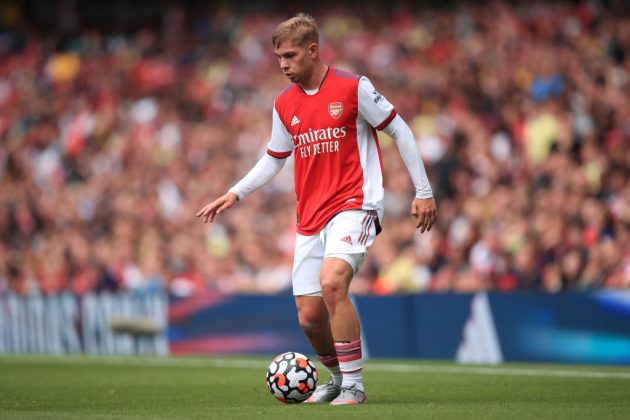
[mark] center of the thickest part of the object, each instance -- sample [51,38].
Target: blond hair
[301,29]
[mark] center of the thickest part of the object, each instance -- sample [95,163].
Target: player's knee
[333,290]
[334,279]
[309,325]
[310,319]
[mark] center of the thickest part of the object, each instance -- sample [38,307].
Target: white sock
[350,363]
[332,364]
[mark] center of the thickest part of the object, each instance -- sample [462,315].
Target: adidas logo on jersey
[347,239]
[294,121]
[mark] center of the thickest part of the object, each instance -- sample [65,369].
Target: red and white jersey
[332,134]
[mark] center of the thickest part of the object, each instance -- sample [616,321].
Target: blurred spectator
[111,140]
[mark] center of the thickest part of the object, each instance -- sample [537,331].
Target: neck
[316,78]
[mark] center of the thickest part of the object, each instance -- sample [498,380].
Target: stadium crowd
[110,142]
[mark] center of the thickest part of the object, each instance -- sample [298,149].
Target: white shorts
[347,236]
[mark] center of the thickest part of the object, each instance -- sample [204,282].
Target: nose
[284,65]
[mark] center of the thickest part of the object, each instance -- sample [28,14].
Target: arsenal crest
[335,109]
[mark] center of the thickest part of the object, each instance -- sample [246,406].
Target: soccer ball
[291,377]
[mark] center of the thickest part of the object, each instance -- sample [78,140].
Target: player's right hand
[218,206]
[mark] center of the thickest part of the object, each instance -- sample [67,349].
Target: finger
[202,212]
[208,211]
[207,208]
[421,220]
[205,214]
[224,207]
[213,215]
[432,220]
[428,221]
[219,208]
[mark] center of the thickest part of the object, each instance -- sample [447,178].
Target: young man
[328,119]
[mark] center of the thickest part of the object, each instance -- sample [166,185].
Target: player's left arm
[380,113]
[423,206]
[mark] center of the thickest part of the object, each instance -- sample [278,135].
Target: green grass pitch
[40,387]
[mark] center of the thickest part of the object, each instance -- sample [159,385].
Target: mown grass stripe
[262,364]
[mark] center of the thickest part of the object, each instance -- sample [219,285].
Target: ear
[313,50]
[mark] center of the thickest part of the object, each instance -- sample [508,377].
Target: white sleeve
[263,172]
[279,148]
[281,145]
[403,136]
[373,106]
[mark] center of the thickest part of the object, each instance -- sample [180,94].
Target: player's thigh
[349,235]
[307,263]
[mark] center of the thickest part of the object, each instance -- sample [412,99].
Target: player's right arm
[280,147]
[380,113]
[263,172]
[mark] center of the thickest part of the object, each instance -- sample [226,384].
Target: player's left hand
[424,211]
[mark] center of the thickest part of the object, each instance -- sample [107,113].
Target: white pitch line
[498,371]
[260,364]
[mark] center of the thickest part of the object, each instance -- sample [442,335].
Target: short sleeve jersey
[332,134]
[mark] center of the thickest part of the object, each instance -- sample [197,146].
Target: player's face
[296,62]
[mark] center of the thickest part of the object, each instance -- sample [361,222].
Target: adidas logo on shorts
[347,239]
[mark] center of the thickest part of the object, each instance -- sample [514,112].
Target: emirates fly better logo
[319,141]
[335,109]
